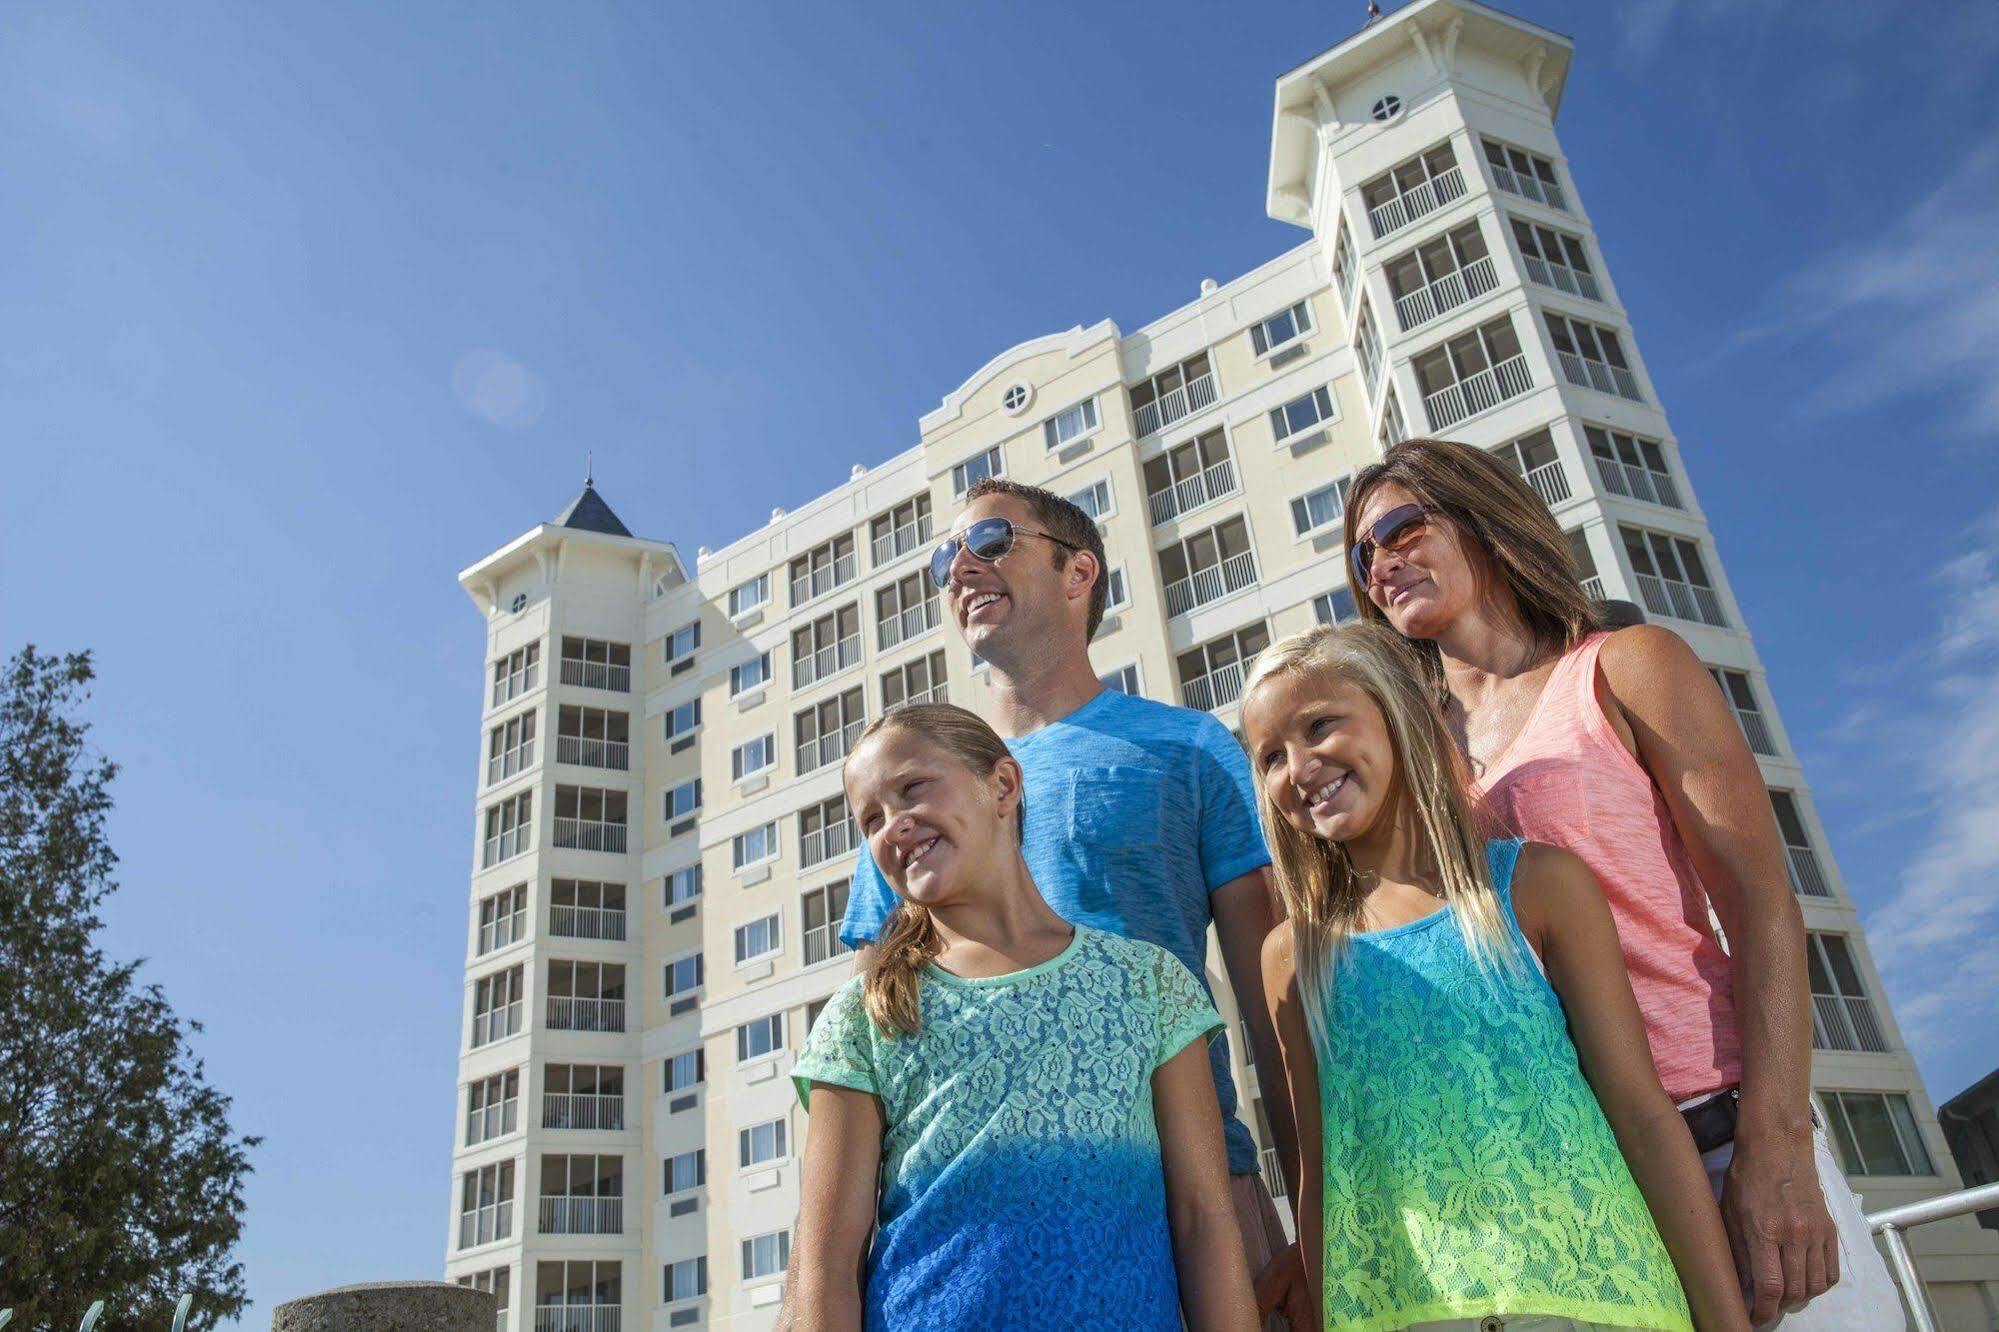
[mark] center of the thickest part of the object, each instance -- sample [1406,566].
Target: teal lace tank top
[1468,1168]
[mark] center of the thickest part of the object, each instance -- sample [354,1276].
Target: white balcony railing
[1806,876]
[1593,588]
[818,665]
[1598,375]
[597,675]
[575,1013]
[491,1121]
[588,753]
[934,694]
[590,835]
[820,581]
[502,766]
[1486,389]
[1682,601]
[577,1318]
[1203,487]
[905,625]
[582,1216]
[1387,218]
[1756,731]
[1217,689]
[582,1110]
[824,843]
[506,845]
[1550,482]
[486,1225]
[1528,186]
[1273,1173]
[1846,1022]
[1167,408]
[1641,483]
[1210,584]
[1562,278]
[826,749]
[1448,292]
[496,1024]
[586,922]
[901,540]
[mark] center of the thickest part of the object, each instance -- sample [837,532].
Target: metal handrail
[1891,1222]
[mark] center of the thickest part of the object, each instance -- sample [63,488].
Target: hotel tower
[661,851]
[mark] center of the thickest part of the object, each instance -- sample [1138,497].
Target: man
[1140,817]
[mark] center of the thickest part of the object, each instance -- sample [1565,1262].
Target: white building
[660,849]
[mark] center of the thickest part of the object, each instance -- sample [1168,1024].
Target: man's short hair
[1064,520]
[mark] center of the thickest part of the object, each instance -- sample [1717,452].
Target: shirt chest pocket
[1115,809]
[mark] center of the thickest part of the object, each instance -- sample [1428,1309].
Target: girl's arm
[1207,1241]
[1301,1073]
[836,1210]
[1563,914]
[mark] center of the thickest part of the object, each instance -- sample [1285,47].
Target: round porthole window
[520,602]
[1387,108]
[1016,398]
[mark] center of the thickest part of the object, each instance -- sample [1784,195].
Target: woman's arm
[1207,1241]
[1301,1075]
[1688,739]
[836,1208]
[1563,914]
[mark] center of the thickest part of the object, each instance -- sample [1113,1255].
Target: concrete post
[389,1306]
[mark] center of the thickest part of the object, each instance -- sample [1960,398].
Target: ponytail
[907,942]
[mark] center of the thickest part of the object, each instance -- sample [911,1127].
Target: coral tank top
[1567,780]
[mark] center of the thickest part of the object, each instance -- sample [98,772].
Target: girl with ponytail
[1019,1109]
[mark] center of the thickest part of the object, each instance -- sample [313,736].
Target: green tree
[120,1178]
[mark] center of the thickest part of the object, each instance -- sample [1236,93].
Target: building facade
[661,849]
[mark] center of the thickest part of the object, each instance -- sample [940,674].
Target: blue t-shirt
[1136,811]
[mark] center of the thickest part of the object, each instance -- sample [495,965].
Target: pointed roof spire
[588,512]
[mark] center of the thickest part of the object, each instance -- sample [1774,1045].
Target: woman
[1618,747]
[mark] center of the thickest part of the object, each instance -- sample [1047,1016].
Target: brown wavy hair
[909,938]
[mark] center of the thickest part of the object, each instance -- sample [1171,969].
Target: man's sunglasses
[1394,532]
[987,540]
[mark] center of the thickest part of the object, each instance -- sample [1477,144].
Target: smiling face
[1021,602]
[935,828]
[1424,587]
[1323,754]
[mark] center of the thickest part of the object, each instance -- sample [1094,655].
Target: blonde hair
[908,938]
[1320,889]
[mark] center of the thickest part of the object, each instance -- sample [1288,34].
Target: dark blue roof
[589,513]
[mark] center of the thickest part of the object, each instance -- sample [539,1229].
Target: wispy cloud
[1645,25]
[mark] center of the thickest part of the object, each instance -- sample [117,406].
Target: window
[516,673]
[680,644]
[1301,414]
[759,938]
[1207,566]
[492,1107]
[1094,499]
[689,1170]
[595,664]
[1439,275]
[497,1282]
[759,1036]
[904,609]
[1071,424]
[1124,679]
[1189,475]
[825,732]
[825,830]
[746,760]
[683,885]
[1806,876]
[1345,271]
[683,975]
[820,913]
[683,799]
[976,469]
[1386,108]
[826,646]
[582,1195]
[496,1006]
[812,1012]
[760,1143]
[583,1096]
[1471,373]
[1741,696]
[683,719]
[1172,394]
[745,597]
[766,1255]
[919,681]
[1318,510]
[1591,356]
[1842,1018]
[900,530]
[1412,189]
[586,909]
[752,674]
[503,918]
[576,1296]
[1672,578]
[486,1205]
[586,996]
[1016,398]
[1211,676]
[1633,467]
[684,1071]
[509,828]
[687,1279]
[1876,1133]
[754,847]
[1393,428]
[1286,326]
[1334,607]
[593,737]
[1555,259]
[823,568]
[509,747]
[590,819]
[1117,595]
[1524,174]
[1367,348]
[1532,458]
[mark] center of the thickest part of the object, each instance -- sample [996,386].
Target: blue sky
[306,309]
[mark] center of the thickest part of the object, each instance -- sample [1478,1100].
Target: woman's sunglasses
[988,539]
[1394,532]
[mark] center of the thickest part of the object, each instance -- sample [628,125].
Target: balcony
[496,1025]
[1174,404]
[582,1216]
[1681,601]
[822,580]
[1549,481]
[1217,689]
[1477,393]
[1447,293]
[576,1318]
[590,835]
[1846,1022]
[1561,277]
[586,922]
[1528,186]
[1210,584]
[1604,378]
[485,1225]
[1593,588]
[588,753]
[1639,483]
[1273,1173]
[813,754]
[901,540]
[1390,216]
[824,843]
[575,1013]
[491,1121]
[502,766]
[1204,487]
[1756,730]
[825,661]
[905,625]
[506,845]
[574,1110]
[1806,876]
[597,675]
